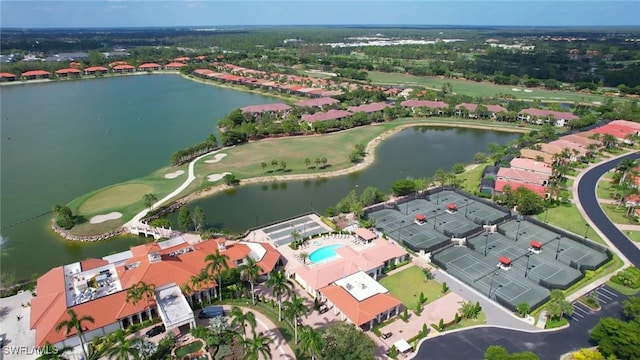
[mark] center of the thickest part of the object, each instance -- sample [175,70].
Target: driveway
[472,344]
[586,191]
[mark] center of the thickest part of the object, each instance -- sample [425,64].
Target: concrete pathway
[136,219]
[629,227]
[608,201]
[15,316]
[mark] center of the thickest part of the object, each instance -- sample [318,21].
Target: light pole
[526,270]
[438,197]
[518,231]
[491,286]
[435,219]
[407,211]
[546,214]
[558,249]
[466,207]
[586,231]
[486,242]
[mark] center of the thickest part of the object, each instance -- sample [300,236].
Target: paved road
[589,200]
[471,344]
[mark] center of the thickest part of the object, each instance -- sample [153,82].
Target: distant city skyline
[124,13]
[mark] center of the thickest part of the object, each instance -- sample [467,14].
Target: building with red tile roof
[539,116]
[575,150]
[472,109]
[182,59]
[517,175]
[536,155]
[317,102]
[581,140]
[149,67]
[325,116]
[174,66]
[538,189]
[67,72]
[417,106]
[201,57]
[36,74]
[278,109]
[93,70]
[8,77]
[117,63]
[620,132]
[369,108]
[361,300]
[98,287]
[123,68]
[627,123]
[534,166]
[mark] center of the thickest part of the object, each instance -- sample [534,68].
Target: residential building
[576,151]
[149,67]
[123,68]
[68,72]
[522,176]
[539,116]
[36,74]
[174,66]
[623,133]
[276,109]
[325,116]
[472,110]
[95,70]
[426,107]
[98,287]
[8,77]
[537,167]
[536,155]
[513,185]
[369,108]
[319,103]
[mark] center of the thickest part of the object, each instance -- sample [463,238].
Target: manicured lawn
[471,179]
[633,235]
[481,320]
[407,285]
[552,324]
[115,196]
[479,89]
[190,348]
[617,214]
[622,289]
[568,217]
[603,191]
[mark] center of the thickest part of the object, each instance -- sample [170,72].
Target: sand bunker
[216,158]
[216,177]
[173,175]
[106,217]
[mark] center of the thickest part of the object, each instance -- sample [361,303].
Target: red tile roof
[149,65]
[425,103]
[468,106]
[175,64]
[357,312]
[543,113]
[368,108]
[123,67]
[91,263]
[564,144]
[325,116]
[366,234]
[68,70]
[619,131]
[496,108]
[36,73]
[530,165]
[183,58]
[530,177]
[116,63]
[627,123]
[276,107]
[96,68]
[538,189]
[7,75]
[317,102]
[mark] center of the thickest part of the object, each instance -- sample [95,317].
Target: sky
[126,13]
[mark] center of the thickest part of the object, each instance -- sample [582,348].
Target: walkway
[136,219]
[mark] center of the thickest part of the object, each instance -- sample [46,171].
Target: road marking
[603,295]
[574,318]
[583,308]
[610,292]
[577,314]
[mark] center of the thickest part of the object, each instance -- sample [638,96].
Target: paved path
[136,219]
[472,343]
[628,227]
[585,192]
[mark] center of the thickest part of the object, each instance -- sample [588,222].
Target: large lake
[61,140]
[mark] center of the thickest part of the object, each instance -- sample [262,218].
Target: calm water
[64,139]
[413,152]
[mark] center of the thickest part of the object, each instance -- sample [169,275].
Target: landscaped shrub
[629,277]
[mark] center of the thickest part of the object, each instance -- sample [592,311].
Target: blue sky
[124,13]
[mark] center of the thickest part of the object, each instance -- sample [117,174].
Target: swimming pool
[324,253]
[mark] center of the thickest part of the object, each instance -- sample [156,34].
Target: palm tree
[304,256]
[264,165]
[311,342]
[186,291]
[324,162]
[217,262]
[149,200]
[251,272]
[609,141]
[140,291]
[123,348]
[318,162]
[280,285]
[624,167]
[256,346]
[241,319]
[75,322]
[294,309]
[50,352]
[307,162]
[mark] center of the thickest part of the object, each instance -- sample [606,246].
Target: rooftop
[317,102]
[275,107]
[325,116]
[557,114]
[531,165]
[425,103]
[174,308]
[368,108]
[361,286]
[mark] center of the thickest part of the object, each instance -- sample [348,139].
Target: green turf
[632,235]
[484,89]
[407,285]
[471,178]
[115,196]
[622,289]
[188,349]
[603,191]
[481,320]
[568,217]
[617,214]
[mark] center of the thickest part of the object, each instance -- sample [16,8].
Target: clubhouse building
[98,287]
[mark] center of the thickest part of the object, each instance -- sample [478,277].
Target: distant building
[68,72]
[124,68]
[36,74]
[149,67]
[369,108]
[277,109]
[325,116]
[96,70]
[429,107]
[174,66]
[539,116]
[6,77]
[318,102]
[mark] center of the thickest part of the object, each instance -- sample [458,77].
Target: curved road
[587,197]
[472,343]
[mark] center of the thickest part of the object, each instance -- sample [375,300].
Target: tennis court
[569,251]
[403,229]
[472,210]
[281,233]
[482,274]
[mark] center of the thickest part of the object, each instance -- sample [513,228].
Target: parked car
[386,335]
[157,330]
[210,312]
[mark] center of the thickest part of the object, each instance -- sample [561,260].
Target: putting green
[114,197]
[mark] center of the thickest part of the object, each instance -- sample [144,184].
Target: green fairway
[483,89]
[568,217]
[407,285]
[115,196]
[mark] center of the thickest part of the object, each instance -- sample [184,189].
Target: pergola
[505,262]
[451,207]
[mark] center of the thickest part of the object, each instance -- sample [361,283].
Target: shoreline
[243,88]
[368,160]
[88,77]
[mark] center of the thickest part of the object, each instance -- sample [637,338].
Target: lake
[61,140]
